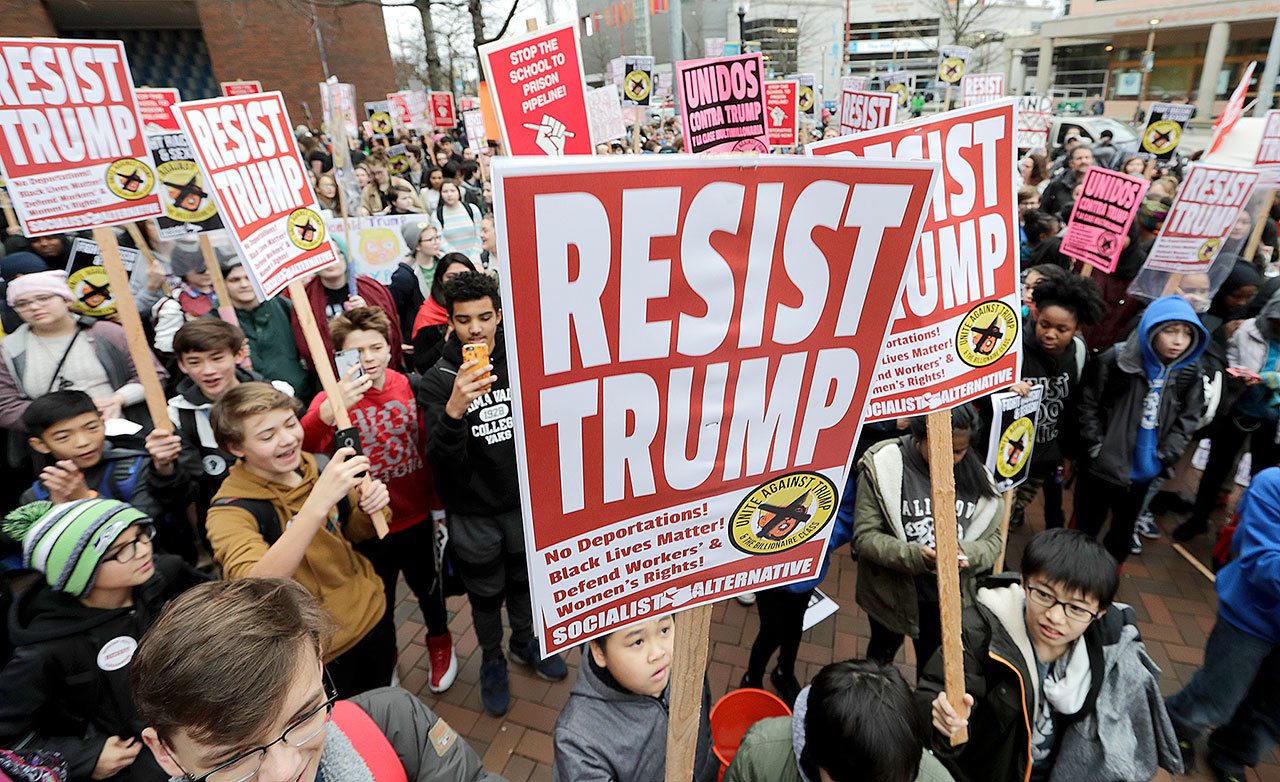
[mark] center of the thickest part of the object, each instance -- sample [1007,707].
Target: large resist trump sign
[691,345]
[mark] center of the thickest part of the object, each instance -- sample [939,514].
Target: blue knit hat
[66,542]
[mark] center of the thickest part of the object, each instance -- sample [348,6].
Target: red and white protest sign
[538,92]
[154,107]
[782,110]
[1235,107]
[982,88]
[1200,219]
[72,153]
[233,88]
[853,83]
[247,153]
[1268,160]
[722,107]
[861,111]
[1035,116]
[955,336]
[442,112]
[690,343]
[1101,217]
[399,103]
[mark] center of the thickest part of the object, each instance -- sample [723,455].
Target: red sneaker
[444,663]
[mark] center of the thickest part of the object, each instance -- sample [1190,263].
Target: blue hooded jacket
[1163,311]
[1249,586]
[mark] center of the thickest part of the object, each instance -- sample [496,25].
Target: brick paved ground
[1174,603]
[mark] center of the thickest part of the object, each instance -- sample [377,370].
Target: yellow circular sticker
[91,292]
[398,164]
[306,229]
[187,202]
[637,86]
[1161,137]
[986,333]
[381,122]
[899,89]
[1015,447]
[1209,249]
[129,179]
[783,513]
[806,98]
[951,70]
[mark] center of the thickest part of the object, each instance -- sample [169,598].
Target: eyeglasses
[1074,612]
[245,766]
[129,551]
[34,301]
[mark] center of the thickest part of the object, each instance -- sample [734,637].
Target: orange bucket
[735,713]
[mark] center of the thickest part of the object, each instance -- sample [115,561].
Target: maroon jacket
[374,294]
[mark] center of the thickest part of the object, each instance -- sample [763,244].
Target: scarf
[1065,688]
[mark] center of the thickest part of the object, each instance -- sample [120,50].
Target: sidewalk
[1174,603]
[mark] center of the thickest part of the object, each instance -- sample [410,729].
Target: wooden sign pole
[943,479]
[1255,237]
[635,135]
[152,264]
[328,380]
[688,670]
[1004,531]
[225,309]
[127,312]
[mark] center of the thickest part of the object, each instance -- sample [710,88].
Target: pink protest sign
[722,104]
[1101,217]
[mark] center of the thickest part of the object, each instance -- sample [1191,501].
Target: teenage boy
[613,728]
[1057,680]
[383,410]
[1238,688]
[330,294]
[1140,404]
[67,686]
[279,515]
[268,331]
[230,685]
[471,452]
[209,352]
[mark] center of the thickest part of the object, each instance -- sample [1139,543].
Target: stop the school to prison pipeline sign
[247,152]
[956,331]
[71,146]
[690,346]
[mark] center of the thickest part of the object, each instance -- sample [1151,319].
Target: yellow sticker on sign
[637,86]
[986,333]
[783,513]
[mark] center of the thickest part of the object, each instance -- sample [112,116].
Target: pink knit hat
[54,282]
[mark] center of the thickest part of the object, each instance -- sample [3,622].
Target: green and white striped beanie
[66,542]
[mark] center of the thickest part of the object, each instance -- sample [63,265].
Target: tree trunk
[435,74]
[477,30]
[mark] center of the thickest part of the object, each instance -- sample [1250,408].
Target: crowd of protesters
[240,539]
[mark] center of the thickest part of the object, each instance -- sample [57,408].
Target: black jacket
[1060,376]
[1057,194]
[474,459]
[54,694]
[408,298]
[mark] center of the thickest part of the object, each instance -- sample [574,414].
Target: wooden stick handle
[147,255]
[225,310]
[943,479]
[135,336]
[1004,531]
[328,379]
[688,669]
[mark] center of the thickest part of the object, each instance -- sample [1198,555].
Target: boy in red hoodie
[384,411]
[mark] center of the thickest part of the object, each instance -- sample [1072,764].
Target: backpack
[440,212]
[264,511]
[119,482]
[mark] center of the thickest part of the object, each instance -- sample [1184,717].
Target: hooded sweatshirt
[1256,346]
[1249,585]
[606,733]
[342,580]
[58,688]
[1136,413]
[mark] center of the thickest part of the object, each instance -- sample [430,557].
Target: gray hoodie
[606,734]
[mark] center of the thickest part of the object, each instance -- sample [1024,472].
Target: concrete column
[1267,85]
[1214,52]
[1045,69]
[1017,75]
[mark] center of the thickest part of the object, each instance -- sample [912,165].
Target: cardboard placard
[1267,162]
[819,608]
[782,110]
[263,196]
[154,107]
[88,279]
[605,111]
[398,102]
[443,115]
[72,153]
[338,100]
[234,88]
[473,122]
[1234,108]
[648,352]
[722,106]
[952,63]
[1200,219]
[419,111]
[1013,436]
[468,102]
[188,207]
[1035,117]
[637,80]
[1165,123]
[1101,217]
[397,159]
[538,92]
[339,104]
[381,120]
[853,83]
[901,84]
[957,335]
[862,111]
[981,88]
[375,245]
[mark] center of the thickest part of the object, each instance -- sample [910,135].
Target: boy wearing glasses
[230,684]
[1057,680]
[67,687]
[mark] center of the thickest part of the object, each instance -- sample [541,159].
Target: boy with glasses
[231,686]
[67,687]
[1057,680]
